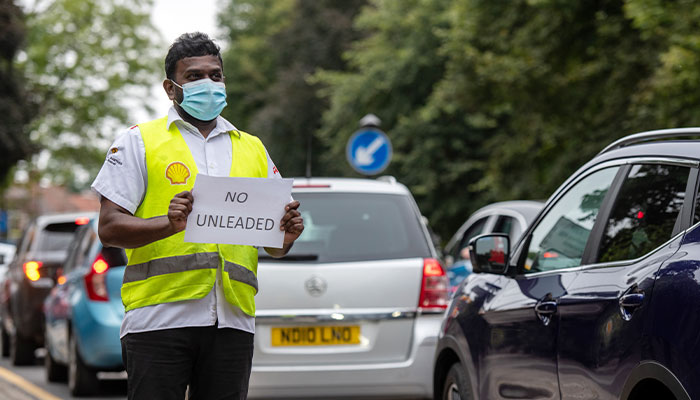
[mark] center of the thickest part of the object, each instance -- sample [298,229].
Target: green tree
[87,63]
[16,111]
[669,97]
[554,82]
[483,100]
[393,73]
[492,100]
[274,48]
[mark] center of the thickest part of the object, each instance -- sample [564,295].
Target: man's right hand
[180,207]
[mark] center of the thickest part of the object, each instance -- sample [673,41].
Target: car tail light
[31,270]
[82,220]
[95,280]
[433,291]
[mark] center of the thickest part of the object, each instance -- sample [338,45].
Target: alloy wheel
[453,392]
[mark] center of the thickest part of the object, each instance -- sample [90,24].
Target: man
[189,307]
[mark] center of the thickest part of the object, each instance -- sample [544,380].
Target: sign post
[369,149]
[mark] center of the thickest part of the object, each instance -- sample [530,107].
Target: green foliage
[86,62]
[395,72]
[16,112]
[483,100]
[275,46]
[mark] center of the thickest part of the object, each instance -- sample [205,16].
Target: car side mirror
[489,253]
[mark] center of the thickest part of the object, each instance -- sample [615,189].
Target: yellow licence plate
[315,335]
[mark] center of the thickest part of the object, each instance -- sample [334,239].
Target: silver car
[509,217]
[354,309]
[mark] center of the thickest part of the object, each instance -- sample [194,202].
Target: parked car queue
[563,311]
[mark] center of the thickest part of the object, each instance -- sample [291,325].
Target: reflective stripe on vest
[189,262]
[170,269]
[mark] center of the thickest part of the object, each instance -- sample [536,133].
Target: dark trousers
[214,362]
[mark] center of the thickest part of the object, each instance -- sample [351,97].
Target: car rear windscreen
[357,227]
[56,237]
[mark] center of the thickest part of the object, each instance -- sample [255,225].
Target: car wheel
[82,381]
[4,343]
[55,372]
[456,384]
[21,350]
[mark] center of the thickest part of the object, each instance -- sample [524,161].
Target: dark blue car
[600,297]
[84,312]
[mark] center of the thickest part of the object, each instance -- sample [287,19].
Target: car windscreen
[56,237]
[342,227]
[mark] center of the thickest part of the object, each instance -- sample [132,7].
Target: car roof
[46,219]
[527,208]
[686,149]
[7,247]
[385,185]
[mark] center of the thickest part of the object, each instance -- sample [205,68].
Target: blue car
[599,298]
[84,312]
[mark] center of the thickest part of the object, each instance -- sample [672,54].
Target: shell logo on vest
[177,173]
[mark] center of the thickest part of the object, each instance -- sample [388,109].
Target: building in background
[23,202]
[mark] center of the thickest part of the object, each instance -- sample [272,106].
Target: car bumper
[410,378]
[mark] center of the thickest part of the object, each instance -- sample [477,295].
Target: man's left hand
[292,223]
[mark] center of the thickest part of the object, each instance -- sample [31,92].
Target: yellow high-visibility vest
[170,270]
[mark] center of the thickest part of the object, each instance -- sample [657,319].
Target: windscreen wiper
[289,257]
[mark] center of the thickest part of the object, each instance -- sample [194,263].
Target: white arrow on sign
[365,155]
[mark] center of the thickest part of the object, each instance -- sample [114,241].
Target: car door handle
[545,309]
[629,302]
[632,300]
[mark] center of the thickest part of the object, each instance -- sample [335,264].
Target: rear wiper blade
[289,257]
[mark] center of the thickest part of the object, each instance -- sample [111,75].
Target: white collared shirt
[123,180]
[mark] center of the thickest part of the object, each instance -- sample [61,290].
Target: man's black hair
[194,44]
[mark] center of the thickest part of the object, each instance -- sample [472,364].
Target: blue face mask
[203,99]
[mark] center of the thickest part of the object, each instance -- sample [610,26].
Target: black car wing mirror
[489,253]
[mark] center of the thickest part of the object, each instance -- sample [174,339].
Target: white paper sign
[238,210]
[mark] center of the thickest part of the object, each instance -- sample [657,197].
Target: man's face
[192,69]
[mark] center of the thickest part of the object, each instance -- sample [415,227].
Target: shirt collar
[222,125]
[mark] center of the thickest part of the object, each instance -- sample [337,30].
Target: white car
[355,308]
[7,252]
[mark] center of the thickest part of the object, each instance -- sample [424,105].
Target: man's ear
[169,89]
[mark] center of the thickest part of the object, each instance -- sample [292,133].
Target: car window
[696,216]
[56,237]
[27,239]
[356,227]
[508,225]
[477,228]
[645,211]
[560,237]
[73,250]
[85,237]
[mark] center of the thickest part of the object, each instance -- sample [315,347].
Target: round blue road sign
[369,151]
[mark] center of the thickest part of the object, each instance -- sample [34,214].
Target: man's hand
[180,207]
[292,223]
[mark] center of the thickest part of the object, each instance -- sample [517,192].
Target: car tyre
[21,350]
[456,384]
[82,381]
[4,343]
[55,372]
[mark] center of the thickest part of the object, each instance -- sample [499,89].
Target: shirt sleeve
[122,178]
[272,171]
